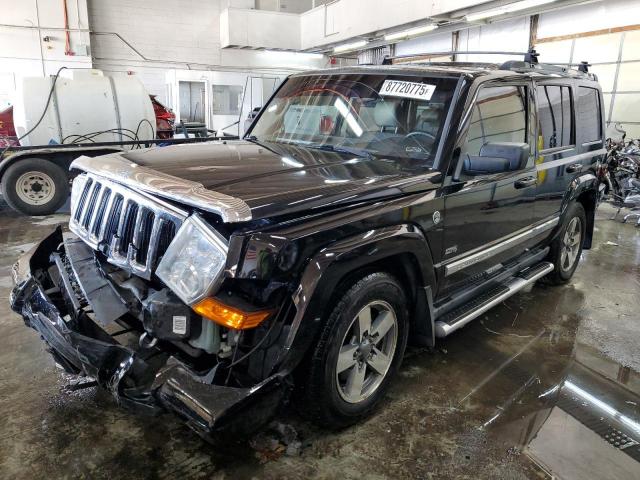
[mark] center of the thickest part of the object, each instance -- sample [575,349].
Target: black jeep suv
[365,207]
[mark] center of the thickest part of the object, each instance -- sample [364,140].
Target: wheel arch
[400,250]
[584,190]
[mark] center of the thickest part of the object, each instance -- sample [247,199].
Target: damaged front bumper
[81,346]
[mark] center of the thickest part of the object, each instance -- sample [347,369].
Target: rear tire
[566,248]
[35,186]
[360,349]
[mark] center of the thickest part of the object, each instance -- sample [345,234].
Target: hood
[275,179]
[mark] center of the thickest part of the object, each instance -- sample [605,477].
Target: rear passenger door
[556,147]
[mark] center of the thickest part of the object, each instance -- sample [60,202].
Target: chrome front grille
[131,228]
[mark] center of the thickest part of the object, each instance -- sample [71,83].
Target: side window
[497,136]
[499,115]
[589,117]
[554,116]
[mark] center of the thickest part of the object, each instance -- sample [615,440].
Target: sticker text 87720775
[399,88]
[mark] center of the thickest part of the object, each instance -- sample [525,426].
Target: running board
[459,317]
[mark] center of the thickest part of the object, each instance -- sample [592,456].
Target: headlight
[193,264]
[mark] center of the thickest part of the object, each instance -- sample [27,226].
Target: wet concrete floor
[546,384]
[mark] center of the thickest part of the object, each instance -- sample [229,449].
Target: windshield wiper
[340,149]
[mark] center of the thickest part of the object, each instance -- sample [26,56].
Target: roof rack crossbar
[530,56]
[529,62]
[582,66]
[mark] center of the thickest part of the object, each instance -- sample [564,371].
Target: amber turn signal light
[227,316]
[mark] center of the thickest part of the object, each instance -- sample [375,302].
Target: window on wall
[227,99]
[499,115]
[554,116]
[589,126]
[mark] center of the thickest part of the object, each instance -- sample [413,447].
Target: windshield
[399,116]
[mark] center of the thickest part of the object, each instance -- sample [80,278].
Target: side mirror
[497,157]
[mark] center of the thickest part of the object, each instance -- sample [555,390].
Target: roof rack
[529,62]
[582,69]
[530,56]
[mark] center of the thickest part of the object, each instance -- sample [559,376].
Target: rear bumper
[86,348]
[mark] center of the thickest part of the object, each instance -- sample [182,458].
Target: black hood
[276,179]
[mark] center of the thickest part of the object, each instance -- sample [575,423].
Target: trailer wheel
[34,186]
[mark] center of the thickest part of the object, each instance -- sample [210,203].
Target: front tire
[35,186]
[360,349]
[566,248]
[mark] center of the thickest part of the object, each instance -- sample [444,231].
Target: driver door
[490,198]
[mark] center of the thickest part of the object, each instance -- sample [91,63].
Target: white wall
[619,80]
[589,17]
[345,19]
[181,40]
[437,42]
[24,52]
[184,31]
[509,35]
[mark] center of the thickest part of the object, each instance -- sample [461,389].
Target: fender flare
[584,183]
[580,184]
[333,263]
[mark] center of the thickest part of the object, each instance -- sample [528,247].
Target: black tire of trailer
[49,171]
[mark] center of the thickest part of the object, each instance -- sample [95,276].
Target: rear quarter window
[589,121]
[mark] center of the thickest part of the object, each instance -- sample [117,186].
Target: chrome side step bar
[451,323]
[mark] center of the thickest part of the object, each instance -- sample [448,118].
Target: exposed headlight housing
[193,265]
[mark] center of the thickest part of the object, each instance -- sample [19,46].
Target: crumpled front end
[53,282]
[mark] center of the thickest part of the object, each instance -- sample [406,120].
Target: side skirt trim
[485,253]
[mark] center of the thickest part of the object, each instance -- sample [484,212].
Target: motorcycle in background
[620,171]
[620,175]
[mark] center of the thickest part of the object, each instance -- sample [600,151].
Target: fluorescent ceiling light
[293,55]
[410,33]
[350,46]
[513,7]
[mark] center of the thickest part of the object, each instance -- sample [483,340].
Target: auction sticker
[399,88]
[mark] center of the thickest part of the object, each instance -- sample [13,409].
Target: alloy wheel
[367,351]
[571,244]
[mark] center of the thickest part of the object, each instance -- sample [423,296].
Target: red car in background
[8,137]
[165,119]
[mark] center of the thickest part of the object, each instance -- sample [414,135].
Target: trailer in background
[35,180]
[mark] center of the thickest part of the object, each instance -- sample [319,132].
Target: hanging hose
[67,44]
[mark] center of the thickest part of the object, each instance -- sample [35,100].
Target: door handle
[576,167]
[525,182]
